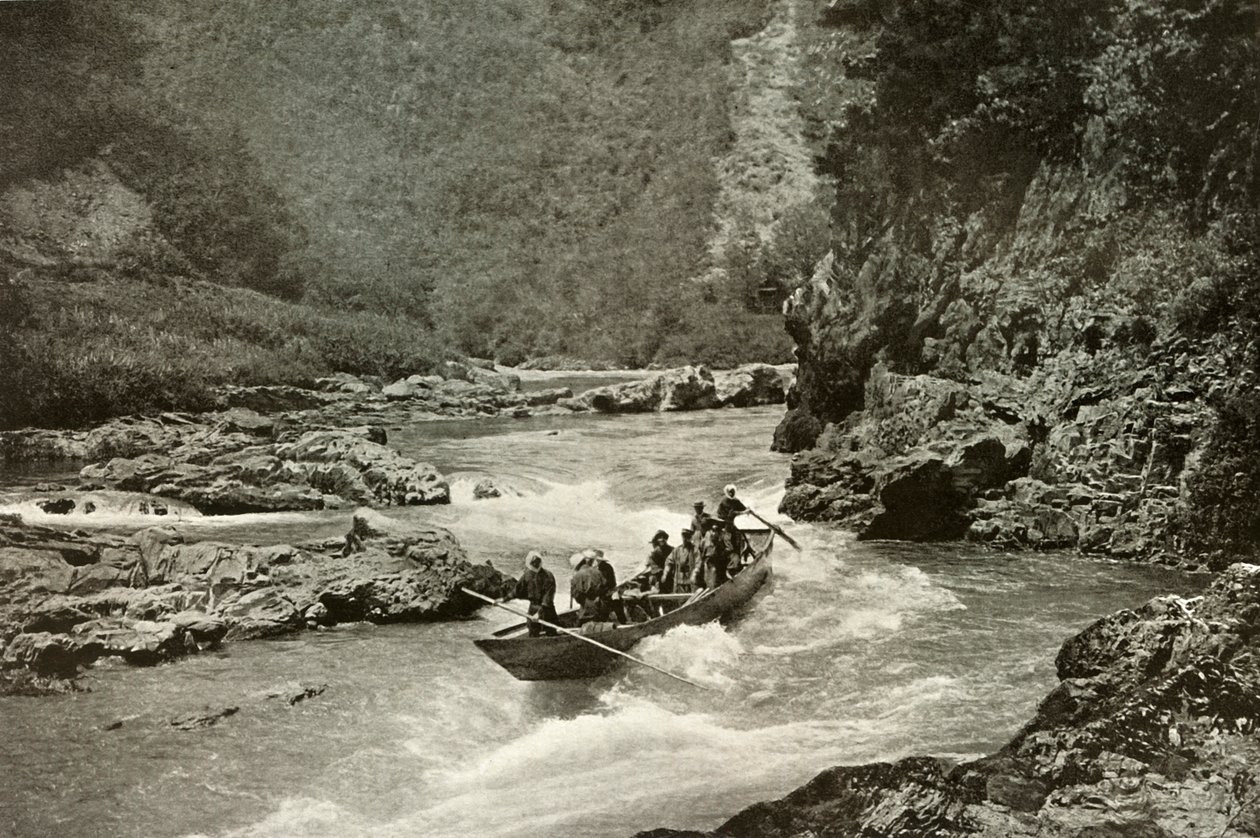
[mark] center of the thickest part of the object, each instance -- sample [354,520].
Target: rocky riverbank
[1150,732]
[68,599]
[1090,451]
[271,449]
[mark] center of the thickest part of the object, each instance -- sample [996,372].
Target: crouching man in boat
[538,585]
[590,589]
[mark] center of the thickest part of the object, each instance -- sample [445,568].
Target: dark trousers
[546,612]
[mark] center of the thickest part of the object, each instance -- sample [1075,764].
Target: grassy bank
[79,352]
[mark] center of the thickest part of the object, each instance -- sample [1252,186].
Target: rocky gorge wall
[1031,359]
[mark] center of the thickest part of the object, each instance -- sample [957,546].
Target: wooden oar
[580,636]
[777,529]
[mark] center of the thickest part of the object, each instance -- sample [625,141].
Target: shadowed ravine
[859,652]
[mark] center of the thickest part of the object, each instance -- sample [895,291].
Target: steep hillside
[397,182]
[531,178]
[1042,288]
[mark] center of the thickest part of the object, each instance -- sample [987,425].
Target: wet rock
[749,385]
[153,597]
[138,642]
[304,693]
[685,388]
[265,612]
[58,506]
[486,489]
[316,470]
[46,654]
[405,389]
[388,478]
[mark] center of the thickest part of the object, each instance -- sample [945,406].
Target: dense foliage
[530,178]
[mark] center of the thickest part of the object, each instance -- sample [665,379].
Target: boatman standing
[713,553]
[538,585]
[729,508]
[681,566]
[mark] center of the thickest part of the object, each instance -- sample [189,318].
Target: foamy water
[856,652]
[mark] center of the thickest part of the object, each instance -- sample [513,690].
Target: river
[858,652]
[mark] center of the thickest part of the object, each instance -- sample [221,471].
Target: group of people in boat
[712,549]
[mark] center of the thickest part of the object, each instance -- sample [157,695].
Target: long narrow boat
[563,656]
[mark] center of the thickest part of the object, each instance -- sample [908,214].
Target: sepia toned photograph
[629,419]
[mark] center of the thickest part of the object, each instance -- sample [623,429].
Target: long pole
[579,636]
[778,530]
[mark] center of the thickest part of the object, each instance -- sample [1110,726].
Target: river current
[858,652]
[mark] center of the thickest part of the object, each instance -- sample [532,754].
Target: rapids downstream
[859,652]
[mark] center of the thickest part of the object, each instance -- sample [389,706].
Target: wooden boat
[563,656]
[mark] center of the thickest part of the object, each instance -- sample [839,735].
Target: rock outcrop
[67,599]
[316,470]
[689,388]
[1150,732]
[1038,461]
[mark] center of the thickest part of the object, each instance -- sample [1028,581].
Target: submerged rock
[204,718]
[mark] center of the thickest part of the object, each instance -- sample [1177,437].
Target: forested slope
[529,177]
[391,181]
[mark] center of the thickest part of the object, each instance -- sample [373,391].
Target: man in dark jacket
[590,589]
[654,570]
[728,510]
[538,585]
[615,605]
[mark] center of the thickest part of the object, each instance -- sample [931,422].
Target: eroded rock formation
[67,599]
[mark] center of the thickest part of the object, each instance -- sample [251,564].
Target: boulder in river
[749,385]
[486,489]
[684,388]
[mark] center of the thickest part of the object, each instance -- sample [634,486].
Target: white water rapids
[858,652]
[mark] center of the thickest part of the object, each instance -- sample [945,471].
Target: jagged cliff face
[1052,297]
